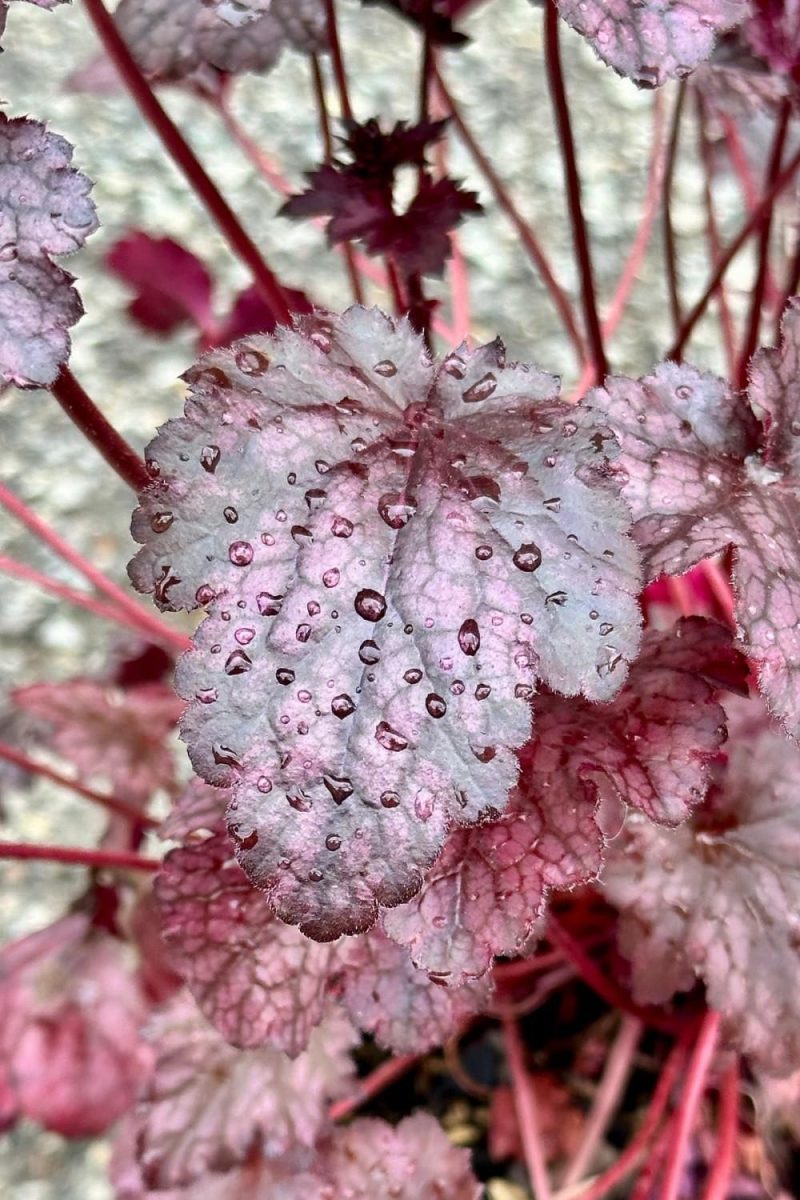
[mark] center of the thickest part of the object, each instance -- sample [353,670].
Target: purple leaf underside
[392,552]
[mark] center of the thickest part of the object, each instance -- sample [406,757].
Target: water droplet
[412,675]
[304,696]
[605,628]
[264,784]
[225,757]
[269,605]
[683,392]
[569,429]
[301,535]
[268,539]
[244,635]
[482,691]
[484,755]
[396,510]
[315,498]
[163,583]
[322,339]
[481,390]
[435,705]
[341,527]
[299,802]
[558,598]
[528,557]
[552,504]
[611,660]
[389,738]
[206,695]
[390,799]
[339,789]
[369,652]
[204,594]
[407,629]
[332,842]
[247,841]
[240,553]
[331,577]
[209,458]
[358,445]
[523,691]
[280,516]
[284,675]
[526,618]
[386,368]
[250,361]
[161,521]
[423,805]
[342,706]
[795,428]
[370,605]
[291,478]
[230,515]
[315,875]
[483,553]
[237,663]
[302,632]
[8,252]
[469,637]
[457,687]
[455,366]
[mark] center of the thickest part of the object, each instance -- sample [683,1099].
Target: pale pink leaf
[651,41]
[209,1106]
[383,592]
[402,1007]
[649,747]
[118,736]
[370,1160]
[199,807]
[718,898]
[257,980]
[304,22]
[69,1040]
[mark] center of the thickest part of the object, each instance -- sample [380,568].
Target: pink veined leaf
[651,41]
[405,1010]
[648,748]
[210,1107]
[172,39]
[69,1043]
[172,285]
[46,210]
[705,474]
[773,32]
[257,980]
[383,593]
[199,808]
[718,898]
[121,736]
[370,1160]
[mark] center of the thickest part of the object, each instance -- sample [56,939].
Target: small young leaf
[70,1050]
[392,552]
[651,41]
[403,1008]
[172,285]
[705,474]
[648,748]
[210,1107]
[46,210]
[718,899]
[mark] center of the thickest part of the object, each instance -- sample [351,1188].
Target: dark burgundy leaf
[355,561]
[773,32]
[251,314]
[70,1050]
[651,41]
[704,474]
[434,17]
[718,898]
[172,285]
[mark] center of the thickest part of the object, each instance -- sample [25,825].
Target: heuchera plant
[492,702]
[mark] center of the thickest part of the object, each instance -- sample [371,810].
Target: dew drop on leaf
[331,577]
[341,527]
[299,802]
[483,553]
[240,553]
[268,605]
[339,789]
[369,652]
[390,799]
[469,637]
[264,784]
[231,515]
[206,695]
[481,390]
[209,458]
[302,632]
[482,691]
[342,706]
[251,362]
[457,687]
[244,635]
[204,594]
[558,598]
[435,705]
[523,691]
[423,805]
[386,368]
[395,510]
[332,842]
[301,535]
[552,504]
[412,675]
[389,738]
[161,521]
[237,663]
[370,605]
[528,557]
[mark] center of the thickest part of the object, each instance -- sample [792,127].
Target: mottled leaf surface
[391,552]
[415,1159]
[648,748]
[707,470]
[199,807]
[257,980]
[171,39]
[118,736]
[44,210]
[70,1049]
[718,899]
[406,1010]
[209,1106]
[303,22]
[651,41]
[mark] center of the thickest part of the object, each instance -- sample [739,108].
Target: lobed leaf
[391,552]
[45,210]
[717,899]
[172,285]
[210,1107]
[649,748]
[70,1053]
[303,21]
[708,470]
[651,41]
[172,39]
